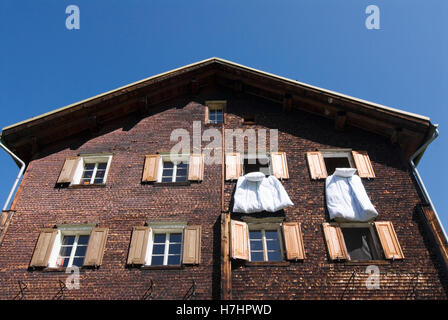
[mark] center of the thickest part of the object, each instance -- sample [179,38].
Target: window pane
[89,166]
[176,237]
[271,234]
[102,166]
[65,251]
[167,179]
[256,245]
[256,256]
[100,174]
[255,234]
[159,238]
[87,174]
[181,179]
[68,240]
[63,261]
[272,245]
[81,251]
[274,256]
[98,181]
[167,173]
[181,172]
[167,165]
[83,239]
[78,262]
[174,248]
[157,261]
[359,243]
[173,260]
[158,249]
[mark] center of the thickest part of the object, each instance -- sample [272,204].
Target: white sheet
[256,196]
[347,199]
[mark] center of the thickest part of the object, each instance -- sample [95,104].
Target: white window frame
[339,153]
[88,159]
[175,159]
[67,230]
[263,227]
[370,226]
[156,228]
[257,156]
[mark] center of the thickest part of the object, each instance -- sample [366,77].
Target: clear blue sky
[44,66]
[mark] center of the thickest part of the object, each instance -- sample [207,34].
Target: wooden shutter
[239,240]
[138,246]
[292,234]
[363,164]
[196,167]
[151,168]
[233,165]
[279,165]
[68,170]
[335,241]
[96,246]
[316,165]
[43,248]
[192,245]
[389,240]
[207,116]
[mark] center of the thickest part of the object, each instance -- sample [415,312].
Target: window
[360,242]
[265,245]
[337,159]
[92,169]
[173,170]
[73,250]
[256,163]
[166,249]
[215,110]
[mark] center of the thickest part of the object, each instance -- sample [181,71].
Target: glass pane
[181,172]
[98,181]
[100,174]
[167,179]
[159,238]
[68,240]
[176,237]
[172,260]
[167,173]
[65,251]
[102,166]
[271,234]
[256,245]
[158,249]
[274,256]
[272,245]
[174,249]
[78,262]
[87,174]
[256,256]
[81,251]
[181,165]
[255,234]
[181,179]
[83,239]
[157,261]
[89,166]
[167,164]
[63,261]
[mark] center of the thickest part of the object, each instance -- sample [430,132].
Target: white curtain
[347,199]
[267,194]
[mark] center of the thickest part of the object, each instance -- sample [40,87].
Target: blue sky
[44,66]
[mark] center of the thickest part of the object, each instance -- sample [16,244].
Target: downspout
[19,176]
[434,135]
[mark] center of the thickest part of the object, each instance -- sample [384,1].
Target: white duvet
[267,194]
[347,199]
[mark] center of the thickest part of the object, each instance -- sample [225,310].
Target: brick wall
[124,203]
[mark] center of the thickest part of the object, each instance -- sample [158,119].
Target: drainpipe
[22,169]
[434,135]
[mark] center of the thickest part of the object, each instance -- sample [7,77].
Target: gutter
[433,135]
[19,176]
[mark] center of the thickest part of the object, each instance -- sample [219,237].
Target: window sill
[366,263]
[214,124]
[59,269]
[93,185]
[172,184]
[176,267]
[267,264]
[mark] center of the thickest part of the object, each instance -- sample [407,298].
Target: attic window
[215,111]
[337,159]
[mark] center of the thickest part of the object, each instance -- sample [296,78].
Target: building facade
[100,192]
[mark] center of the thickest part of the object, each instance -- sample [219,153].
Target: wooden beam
[226,270]
[339,120]
[287,102]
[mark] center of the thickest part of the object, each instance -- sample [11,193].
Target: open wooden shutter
[96,246]
[196,167]
[279,165]
[192,245]
[139,244]
[207,117]
[68,170]
[239,240]
[335,242]
[233,165]
[316,165]
[389,240]
[292,234]
[363,164]
[151,168]
[43,248]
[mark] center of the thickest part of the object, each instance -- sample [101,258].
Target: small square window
[360,243]
[92,170]
[165,249]
[265,245]
[173,171]
[337,159]
[216,111]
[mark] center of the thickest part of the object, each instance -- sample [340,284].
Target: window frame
[214,105]
[67,230]
[89,159]
[263,227]
[376,244]
[164,228]
[338,153]
[185,158]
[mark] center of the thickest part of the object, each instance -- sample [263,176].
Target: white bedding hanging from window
[255,193]
[347,199]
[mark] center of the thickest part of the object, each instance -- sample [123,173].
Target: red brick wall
[124,203]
